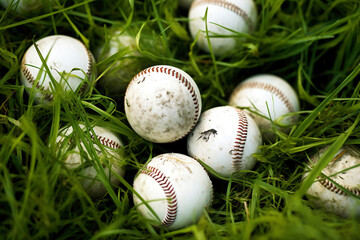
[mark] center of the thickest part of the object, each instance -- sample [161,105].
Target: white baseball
[162,104]
[176,187]
[222,15]
[119,74]
[70,63]
[344,170]
[271,97]
[225,139]
[77,157]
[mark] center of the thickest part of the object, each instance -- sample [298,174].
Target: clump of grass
[314,45]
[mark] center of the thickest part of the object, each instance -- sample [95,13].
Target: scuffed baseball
[222,15]
[271,97]
[162,104]
[176,187]
[77,158]
[70,63]
[225,138]
[343,170]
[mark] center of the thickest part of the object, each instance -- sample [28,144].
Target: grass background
[313,44]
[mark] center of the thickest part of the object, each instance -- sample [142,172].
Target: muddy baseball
[162,104]
[337,190]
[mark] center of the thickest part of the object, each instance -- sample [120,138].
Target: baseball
[118,74]
[77,158]
[270,97]
[70,64]
[224,19]
[342,171]
[162,104]
[176,187]
[225,139]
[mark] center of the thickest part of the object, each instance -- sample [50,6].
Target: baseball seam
[239,144]
[272,89]
[332,187]
[183,80]
[107,142]
[49,96]
[230,6]
[30,78]
[167,187]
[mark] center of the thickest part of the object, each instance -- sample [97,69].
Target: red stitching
[29,77]
[271,89]
[107,142]
[332,187]
[230,6]
[169,191]
[239,144]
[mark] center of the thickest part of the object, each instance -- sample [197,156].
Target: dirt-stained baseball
[224,18]
[68,61]
[225,139]
[343,172]
[176,187]
[77,158]
[271,97]
[162,103]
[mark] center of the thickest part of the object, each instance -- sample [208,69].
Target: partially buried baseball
[267,97]
[120,70]
[162,104]
[343,172]
[176,187]
[225,139]
[225,19]
[61,60]
[74,152]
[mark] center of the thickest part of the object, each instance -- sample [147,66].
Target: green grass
[313,44]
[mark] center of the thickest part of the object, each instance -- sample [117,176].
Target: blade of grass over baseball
[124,129]
[216,80]
[326,158]
[160,25]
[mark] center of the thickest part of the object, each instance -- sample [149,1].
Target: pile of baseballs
[163,104]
